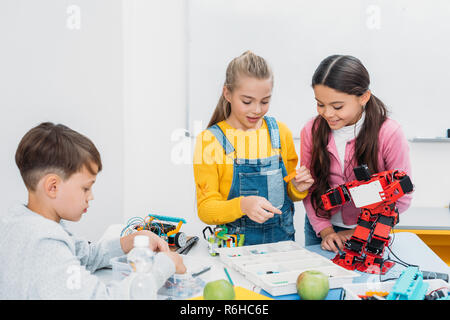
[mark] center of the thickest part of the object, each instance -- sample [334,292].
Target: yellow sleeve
[212,207]
[291,163]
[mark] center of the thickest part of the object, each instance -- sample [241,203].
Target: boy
[40,258]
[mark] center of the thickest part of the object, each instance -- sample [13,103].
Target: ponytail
[248,64]
[222,111]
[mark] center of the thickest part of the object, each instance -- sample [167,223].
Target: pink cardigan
[393,154]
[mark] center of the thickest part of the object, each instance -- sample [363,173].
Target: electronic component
[220,238]
[159,225]
[189,244]
[438,294]
[435,275]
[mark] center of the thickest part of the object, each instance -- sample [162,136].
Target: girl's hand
[156,243]
[258,209]
[303,180]
[346,234]
[332,241]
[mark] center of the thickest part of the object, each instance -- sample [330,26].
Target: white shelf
[437,139]
[425,219]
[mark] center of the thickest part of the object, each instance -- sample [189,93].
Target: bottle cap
[141,241]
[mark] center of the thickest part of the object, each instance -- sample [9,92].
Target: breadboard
[275,267]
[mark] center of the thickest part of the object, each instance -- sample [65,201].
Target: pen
[201,272]
[290,176]
[228,276]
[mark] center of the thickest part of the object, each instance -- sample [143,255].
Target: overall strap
[220,136]
[274,132]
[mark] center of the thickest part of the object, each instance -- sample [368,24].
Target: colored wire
[399,261]
[441,288]
[132,223]
[135,222]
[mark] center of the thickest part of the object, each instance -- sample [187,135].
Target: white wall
[398,42]
[122,80]
[63,63]
[169,189]
[155,104]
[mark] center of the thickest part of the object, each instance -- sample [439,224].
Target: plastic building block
[409,286]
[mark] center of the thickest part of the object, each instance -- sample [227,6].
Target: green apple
[219,290]
[312,285]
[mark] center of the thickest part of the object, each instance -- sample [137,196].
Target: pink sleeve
[395,152]
[317,223]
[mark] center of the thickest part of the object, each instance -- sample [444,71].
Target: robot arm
[369,191]
[342,194]
[401,185]
[336,197]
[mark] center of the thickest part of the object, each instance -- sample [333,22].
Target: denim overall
[260,177]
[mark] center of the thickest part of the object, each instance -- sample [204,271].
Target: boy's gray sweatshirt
[41,259]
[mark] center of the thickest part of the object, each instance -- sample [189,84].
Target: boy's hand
[156,243]
[303,180]
[177,260]
[258,209]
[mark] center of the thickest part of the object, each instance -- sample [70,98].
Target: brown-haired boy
[40,258]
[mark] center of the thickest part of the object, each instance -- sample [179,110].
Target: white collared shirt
[341,137]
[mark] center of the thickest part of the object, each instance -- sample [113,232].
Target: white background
[130,78]
[400,42]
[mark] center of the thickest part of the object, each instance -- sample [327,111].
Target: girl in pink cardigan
[351,128]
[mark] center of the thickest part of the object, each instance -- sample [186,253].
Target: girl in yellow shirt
[240,160]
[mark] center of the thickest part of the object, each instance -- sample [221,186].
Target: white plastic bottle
[141,258]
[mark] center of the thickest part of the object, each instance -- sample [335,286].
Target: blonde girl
[242,157]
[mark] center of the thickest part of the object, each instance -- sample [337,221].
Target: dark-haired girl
[351,128]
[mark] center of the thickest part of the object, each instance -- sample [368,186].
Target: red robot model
[376,195]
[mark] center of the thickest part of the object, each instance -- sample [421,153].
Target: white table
[407,246]
[200,251]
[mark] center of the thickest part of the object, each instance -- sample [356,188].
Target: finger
[301,178]
[331,244]
[325,246]
[346,238]
[256,216]
[265,214]
[156,243]
[182,269]
[339,243]
[303,172]
[303,169]
[163,246]
[266,205]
